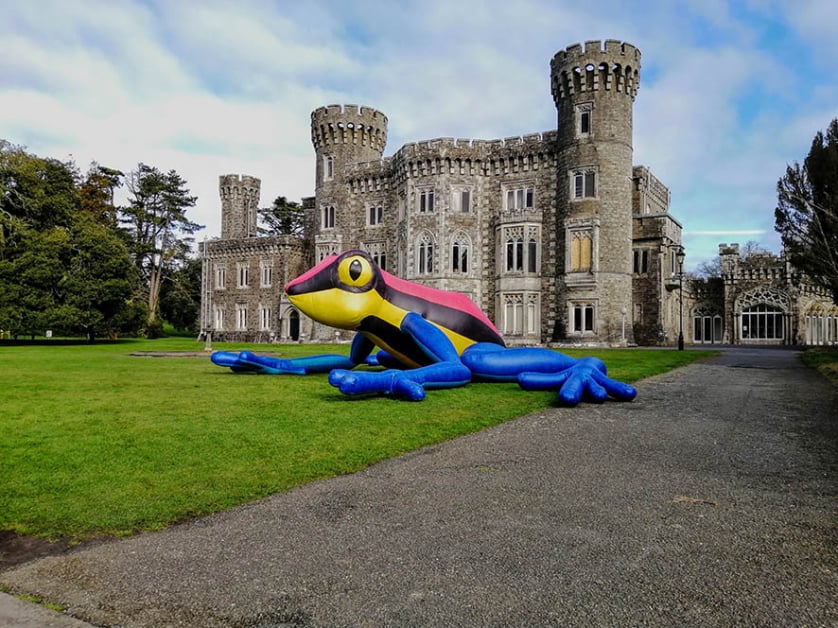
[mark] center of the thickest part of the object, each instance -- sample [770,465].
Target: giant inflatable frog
[427,338]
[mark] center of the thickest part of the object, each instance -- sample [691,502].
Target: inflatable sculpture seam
[426,338]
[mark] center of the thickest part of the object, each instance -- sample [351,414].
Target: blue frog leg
[447,371]
[536,368]
[249,362]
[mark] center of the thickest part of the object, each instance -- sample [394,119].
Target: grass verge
[95,441]
[824,360]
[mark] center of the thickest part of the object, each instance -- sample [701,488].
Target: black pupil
[355,269]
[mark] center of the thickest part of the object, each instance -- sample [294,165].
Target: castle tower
[341,135]
[239,204]
[594,87]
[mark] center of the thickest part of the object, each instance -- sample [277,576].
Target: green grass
[94,441]
[824,360]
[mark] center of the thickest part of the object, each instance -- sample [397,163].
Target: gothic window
[460,250]
[243,275]
[425,254]
[583,119]
[520,198]
[375,215]
[532,255]
[762,322]
[584,184]
[324,250]
[426,201]
[520,313]
[707,327]
[220,277]
[219,318]
[521,249]
[265,314]
[241,316]
[514,249]
[513,319]
[582,318]
[641,261]
[821,324]
[327,217]
[266,275]
[328,167]
[581,248]
[532,314]
[378,252]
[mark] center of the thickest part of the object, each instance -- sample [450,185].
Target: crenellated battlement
[233,186]
[239,205]
[611,66]
[477,148]
[348,124]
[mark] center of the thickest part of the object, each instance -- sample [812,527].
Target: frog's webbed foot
[389,382]
[585,379]
[408,384]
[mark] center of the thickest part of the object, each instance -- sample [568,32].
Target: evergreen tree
[159,230]
[96,193]
[284,217]
[806,216]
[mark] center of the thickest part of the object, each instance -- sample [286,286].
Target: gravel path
[708,501]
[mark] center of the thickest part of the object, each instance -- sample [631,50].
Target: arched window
[707,327]
[378,252]
[513,315]
[532,255]
[460,249]
[520,248]
[515,249]
[425,254]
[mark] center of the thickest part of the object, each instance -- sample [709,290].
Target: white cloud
[209,89]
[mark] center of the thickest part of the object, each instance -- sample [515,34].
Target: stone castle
[556,235]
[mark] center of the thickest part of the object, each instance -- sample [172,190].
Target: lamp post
[679,257]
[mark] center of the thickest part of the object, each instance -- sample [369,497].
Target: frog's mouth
[334,307]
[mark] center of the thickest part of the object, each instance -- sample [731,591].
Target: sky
[731,91]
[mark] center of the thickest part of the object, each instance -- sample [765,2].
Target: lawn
[824,360]
[95,441]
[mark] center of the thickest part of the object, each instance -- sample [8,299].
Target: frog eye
[355,272]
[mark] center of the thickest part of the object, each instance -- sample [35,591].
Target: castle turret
[594,87]
[341,135]
[239,204]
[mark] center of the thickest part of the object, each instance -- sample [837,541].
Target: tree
[806,216]
[95,291]
[38,201]
[41,192]
[159,230]
[284,217]
[30,274]
[180,296]
[96,193]
[61,266]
